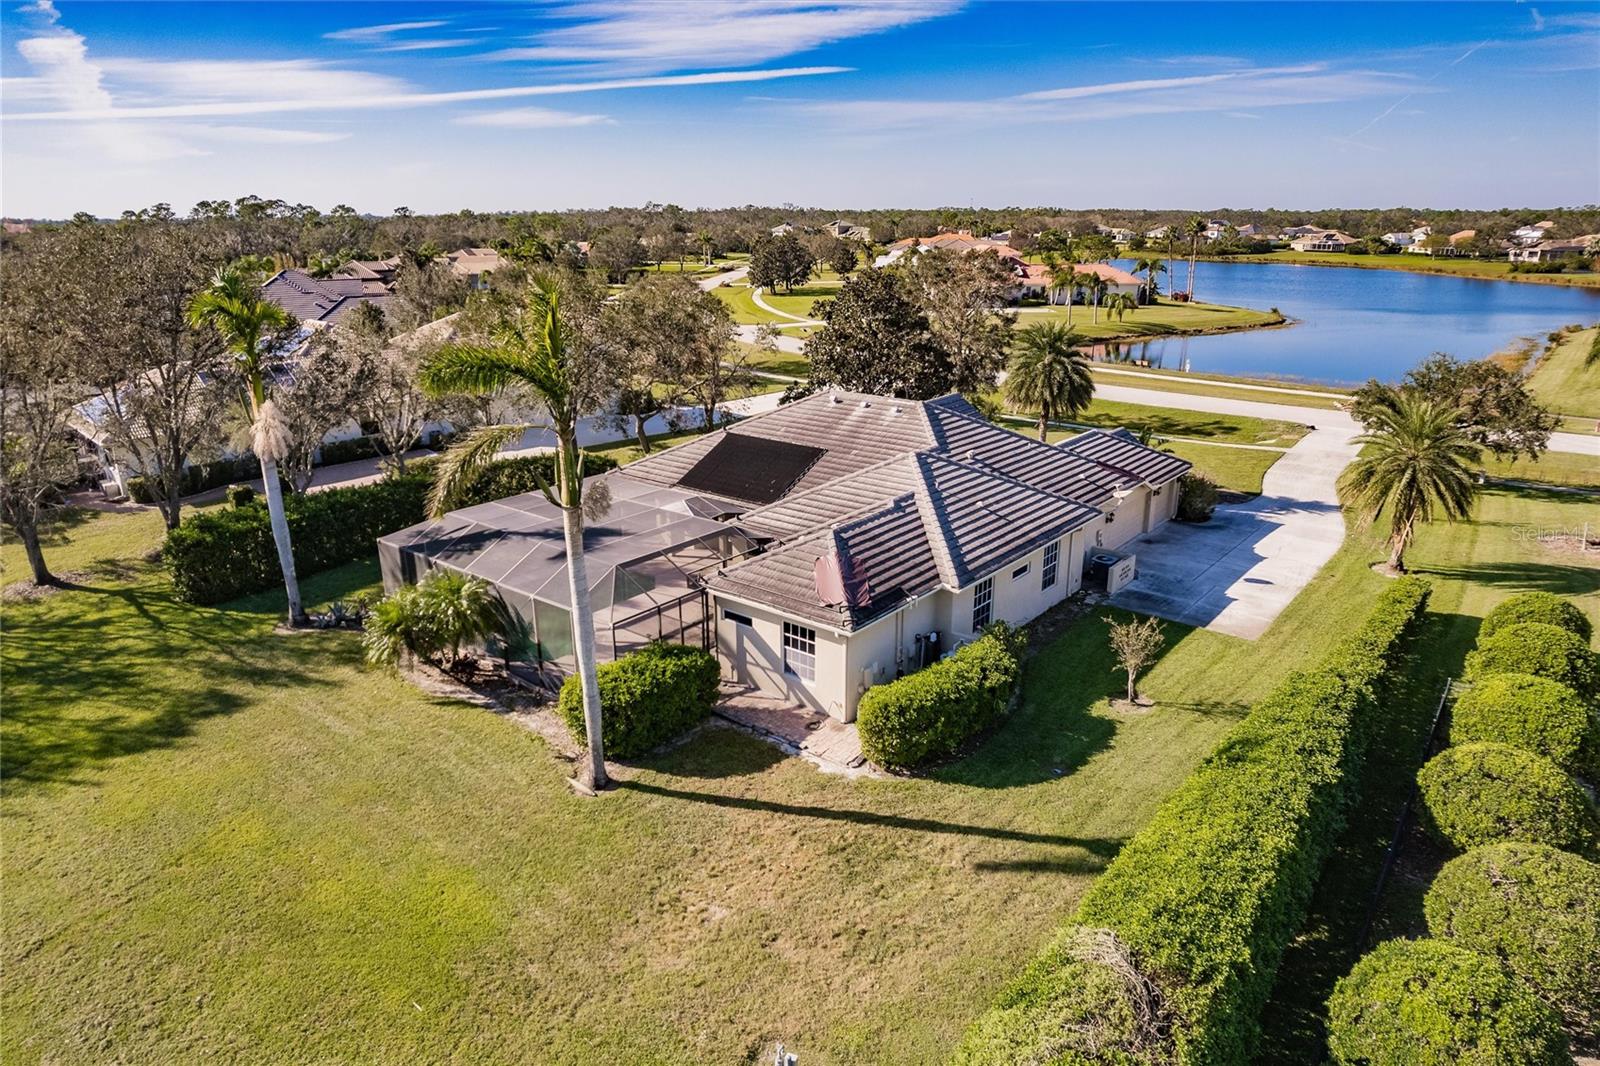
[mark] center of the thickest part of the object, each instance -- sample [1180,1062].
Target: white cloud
[426,44]
[267,135]
[369,34]
[657,35]
[369,101]
[233,79]
[529,118]
[1117,88]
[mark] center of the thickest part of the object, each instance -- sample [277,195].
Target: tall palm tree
[529,349]
[1415,463]
[1196,229]
[706,242]
[1050,372]
[1097,293]
[234,307]
[1078,279]
[1151,265]
[1121,303]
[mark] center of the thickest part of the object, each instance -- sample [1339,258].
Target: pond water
[1353,324]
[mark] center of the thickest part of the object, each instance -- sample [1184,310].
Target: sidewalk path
[792,345]
[1236,573]
[724,278]
[798,320]
[1156,379]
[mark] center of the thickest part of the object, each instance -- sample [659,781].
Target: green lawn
[1200,425]
[1235,469]
[1176,381]
[1473,566]
[1553,468]
[1563,383]
[1417,264]
[1159,319]
[775,362]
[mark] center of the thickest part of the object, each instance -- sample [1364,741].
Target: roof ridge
[934,524]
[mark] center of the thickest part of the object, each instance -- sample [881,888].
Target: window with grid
[800,651]
[982,603]
[1052,559]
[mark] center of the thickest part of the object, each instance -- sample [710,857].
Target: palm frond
[464,460]
[470,368]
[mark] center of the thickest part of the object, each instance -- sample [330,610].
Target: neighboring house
[821,548]
[1035,278]
[1157,234]
[1252,232]
[377,273]
[1452,249]
[1398,240]
[474,265]
[949,240]
[1296,232]
[1551,251]
[1116,233]
[781,228]
[1327,240]
[15,228]
[322,300]
[1532,234]
[1003,237]
[848,230]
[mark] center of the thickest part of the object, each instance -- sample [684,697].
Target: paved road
[1236,573]
[1575,443]
[707,284]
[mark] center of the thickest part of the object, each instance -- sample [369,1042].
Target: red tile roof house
[820,548]
[1035,281]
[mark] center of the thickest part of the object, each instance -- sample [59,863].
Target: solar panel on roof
[757,469]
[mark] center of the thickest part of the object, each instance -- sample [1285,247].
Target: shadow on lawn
[1561,578]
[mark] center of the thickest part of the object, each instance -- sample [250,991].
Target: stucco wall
[753,655]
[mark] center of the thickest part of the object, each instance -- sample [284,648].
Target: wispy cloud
[96,111]
[371,34]
[1386,112]
[531,118]
[639,36]
[236,79]
[1232,92]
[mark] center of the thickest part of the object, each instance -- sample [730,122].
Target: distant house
[15,228]
[474,265]
[782,228]
[1453,248]
[1034,281]
[377,272]
[1551,251]
[325,301]
[824,547]
[1293,233]
[1159,233]
[961,240]
[1252,232]
[1327,240]
[848,230]
[1398,240]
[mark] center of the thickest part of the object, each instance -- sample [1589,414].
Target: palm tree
[1415,462]
[1121,303]
[1151,265]
[1079,279]
[1050,372]
[234,307]
[1097,293]
[1196,229]
[706,241]
[530,350]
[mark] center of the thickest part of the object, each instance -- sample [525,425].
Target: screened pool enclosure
[647,559]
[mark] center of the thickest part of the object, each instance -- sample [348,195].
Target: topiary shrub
[1197,497]
[1487,793]
[1544,607]
[1540,649]
[1531,713]
[646,698]
[927,715]
[1426,1002]
[240,495]
[1534,908]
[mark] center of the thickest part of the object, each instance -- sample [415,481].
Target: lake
[1353,324]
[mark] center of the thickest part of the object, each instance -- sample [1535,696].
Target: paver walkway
[832,745]
[1236,573]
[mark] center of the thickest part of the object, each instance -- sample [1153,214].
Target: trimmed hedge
[1544,607]
[1540,649]
[929,714]
[1536,910]
[198,477]
[1207,896]
[646,698]
[1531,713]
[221,554]
[1425,1002]
[1487,793]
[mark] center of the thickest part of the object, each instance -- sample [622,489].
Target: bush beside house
[1536,910]
[1426,1001]
[929,714]
[1206,897]
[649,697]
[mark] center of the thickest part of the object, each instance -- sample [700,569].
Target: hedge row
[198,477]
[646,698]
[929,714]
[1206,897]
[220,554]
[1540,649]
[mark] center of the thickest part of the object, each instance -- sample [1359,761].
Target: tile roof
[319,299]
[1121,451]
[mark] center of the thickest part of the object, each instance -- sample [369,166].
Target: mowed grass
[1417,264]
[1159,319]
[1551,468]
[222,840]
[1235,469]
[1174,381]
[1473,566]
[1562,381]
[1172,422]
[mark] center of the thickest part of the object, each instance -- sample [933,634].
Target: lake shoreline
[1572,281]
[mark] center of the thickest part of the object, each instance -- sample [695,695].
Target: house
[322,300]
[1550,251]
[1034,280]
[1118,234]
[1452,249]
[823,547]
[1324,240]
[1252,232]
[1159,233]
[1398,240]
[950,240]
[782,228]
[1295,232]
[1532,234]
[848,230]
[474,265]
[377,273]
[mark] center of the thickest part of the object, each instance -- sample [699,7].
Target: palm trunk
[1397,553]
[29,532]
[280,536]
[1044,422]
[583,642]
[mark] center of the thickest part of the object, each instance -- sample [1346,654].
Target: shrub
[241,495]
[436,616]
[1486,793]
[1540,649]
[1208,894]
[348,451]
[1527,712]
[1544,607]
[221,554]
[1534,908]
[1197,497]
[646,698]
[1426,1002]
[928,714]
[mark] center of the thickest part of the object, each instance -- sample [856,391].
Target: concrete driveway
[1236,573]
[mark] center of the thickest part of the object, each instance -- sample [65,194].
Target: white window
[1052,561]
[800,651]
[982,603]
[1021,572]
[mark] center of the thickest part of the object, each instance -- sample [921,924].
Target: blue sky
[866,103]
